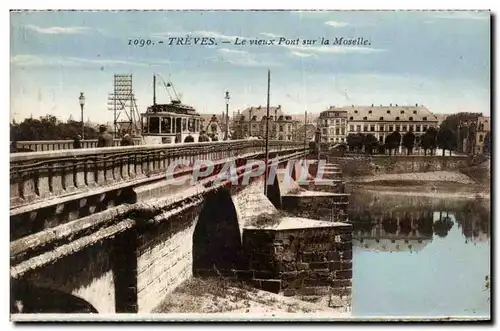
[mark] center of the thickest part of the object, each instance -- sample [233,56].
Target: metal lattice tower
[122,103]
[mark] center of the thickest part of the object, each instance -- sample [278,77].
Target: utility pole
[267,130]
[305,136]
[227,115]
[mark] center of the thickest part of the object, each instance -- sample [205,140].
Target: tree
[355,141]
[49,128]
[452,122]
[409,142]
[370,142]
[428,140]
[445,139]
[392,141]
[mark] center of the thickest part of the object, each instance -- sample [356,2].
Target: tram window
[191,125]
[166,126]
[154,125]
[145,124]
[184,124]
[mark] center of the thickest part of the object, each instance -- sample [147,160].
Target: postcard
[250,165]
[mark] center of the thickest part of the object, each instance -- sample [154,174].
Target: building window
[358,128]
[351,127]
[424,119]
[481,138]
[372,128]
[342,131]
[414,112]
[381,128]
[336,114]
[381,138]
[402,112]
[369,112]
[417,128]
[411,127]
[403,128]
[281,128]
[397,128]
[355,112]
[365,118]
[337,131]
[424,128]
[351,118]
[397,118]
[411,118]
[325,131]
[342,139]
[337,122]
[382,118]
[365,128]
[388,111]
[390,128]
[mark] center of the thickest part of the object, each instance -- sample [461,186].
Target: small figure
[203,136]
[127,140]
[104,139]
[189,139]
[77,143]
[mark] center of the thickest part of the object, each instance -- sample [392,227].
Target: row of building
[336,123]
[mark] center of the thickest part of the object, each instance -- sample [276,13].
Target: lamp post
[227,115]
[81,99]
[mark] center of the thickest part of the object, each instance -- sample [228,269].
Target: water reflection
[419,256]
[395,223]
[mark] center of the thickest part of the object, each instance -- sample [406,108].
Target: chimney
[396,105]
[279,106]
[416,105]
[372,104]
[390,105]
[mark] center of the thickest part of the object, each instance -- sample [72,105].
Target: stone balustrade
[54,145]
[41,176]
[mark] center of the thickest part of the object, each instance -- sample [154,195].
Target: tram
[170,123]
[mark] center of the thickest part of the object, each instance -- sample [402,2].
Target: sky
[438,59]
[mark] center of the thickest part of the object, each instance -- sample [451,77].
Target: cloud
[242,58]
[336,24]
[271,35]
[29,60]
[301,54]
[58,29]
[460,15]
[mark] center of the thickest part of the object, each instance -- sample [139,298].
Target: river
[434,261]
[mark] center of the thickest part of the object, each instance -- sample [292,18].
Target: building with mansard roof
[251,122]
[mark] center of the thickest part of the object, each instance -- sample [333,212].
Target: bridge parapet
[43,176]
[54,145]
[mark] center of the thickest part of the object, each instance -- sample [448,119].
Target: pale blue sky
[439,59]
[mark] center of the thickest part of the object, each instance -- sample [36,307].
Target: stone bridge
[103,230]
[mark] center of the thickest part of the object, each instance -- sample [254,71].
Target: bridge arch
[217,236]
[30,299]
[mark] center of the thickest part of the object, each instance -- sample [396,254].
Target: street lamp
[81,99]
[227,114]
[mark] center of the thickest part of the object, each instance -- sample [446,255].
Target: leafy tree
[370,142]
[48,128]
[445,139]
[409,142]
[429,140]
[392,141]
[355,141]
[451,122]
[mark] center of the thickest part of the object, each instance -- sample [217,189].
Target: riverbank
[218,296]
[442,184]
